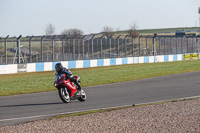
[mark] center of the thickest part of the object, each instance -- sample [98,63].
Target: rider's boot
[78,86]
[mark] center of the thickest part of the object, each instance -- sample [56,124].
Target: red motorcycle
[68,90]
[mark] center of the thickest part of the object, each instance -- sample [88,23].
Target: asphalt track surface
[24,108]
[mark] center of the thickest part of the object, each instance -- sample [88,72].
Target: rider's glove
[54,83]
[71,76]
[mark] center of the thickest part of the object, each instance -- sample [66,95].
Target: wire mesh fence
[32,49]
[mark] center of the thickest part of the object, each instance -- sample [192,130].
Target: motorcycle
[67,90]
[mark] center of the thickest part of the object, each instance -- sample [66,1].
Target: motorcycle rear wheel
[64,95]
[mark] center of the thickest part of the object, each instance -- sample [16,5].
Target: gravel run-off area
[171,117]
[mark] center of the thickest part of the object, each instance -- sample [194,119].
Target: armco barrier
[49,66]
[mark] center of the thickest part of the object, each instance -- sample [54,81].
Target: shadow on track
[39,104]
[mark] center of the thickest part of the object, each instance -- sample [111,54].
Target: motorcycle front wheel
[64,95]
[82,98]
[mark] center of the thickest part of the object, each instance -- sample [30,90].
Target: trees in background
[133,30]
[50,29]
[75,32]
[107,31]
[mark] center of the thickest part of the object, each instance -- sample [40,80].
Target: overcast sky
[30,17]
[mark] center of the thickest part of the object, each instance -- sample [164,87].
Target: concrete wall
[49,66]
[8,69]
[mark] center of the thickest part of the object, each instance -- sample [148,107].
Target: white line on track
[49,115]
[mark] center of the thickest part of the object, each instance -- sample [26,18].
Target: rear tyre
[82,98]
[64,95]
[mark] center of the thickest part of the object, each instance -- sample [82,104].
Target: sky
[31,17]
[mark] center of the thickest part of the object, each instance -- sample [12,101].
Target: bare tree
[72,32]
[108,31]
[133,30]
[50,29]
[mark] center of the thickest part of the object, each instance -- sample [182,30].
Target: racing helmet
[58,67]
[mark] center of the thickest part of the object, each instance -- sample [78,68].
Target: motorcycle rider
[62,70]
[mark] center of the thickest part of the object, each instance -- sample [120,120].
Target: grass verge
[24,83]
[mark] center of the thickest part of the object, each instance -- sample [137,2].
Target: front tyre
[64,95]
[82,97]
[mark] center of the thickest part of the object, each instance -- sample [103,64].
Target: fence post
[182,45]
[41,40]
[187,44]
[53,48]
[192,44]
[159,45]
[83,46]
[30,54]
[92,45]
[154,43]
[196,43]
[146,45]
[164,45]
[197,48]
[73,47]
[133,38]
[171,45]
[63,48]
[125,45]
[63,51]
[139,44]
[176,45]
[101,46]
[118,45]
[110,45]
[5,41]
[18,49]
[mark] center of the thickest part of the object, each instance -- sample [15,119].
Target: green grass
[162,30]
[23,83]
